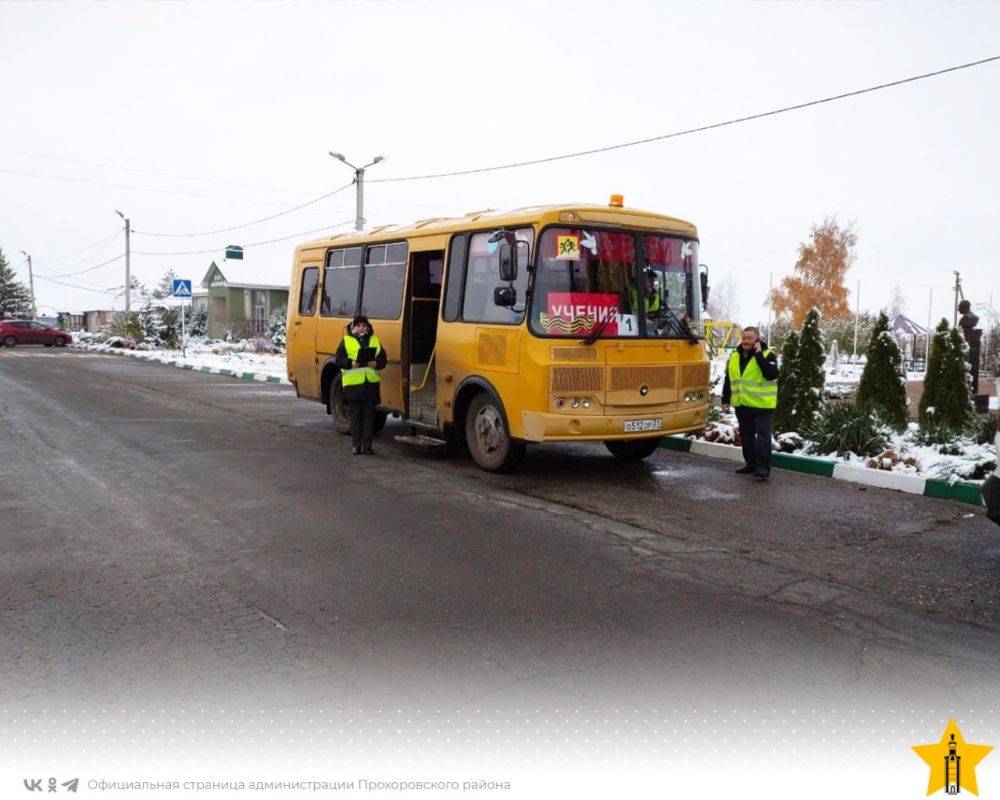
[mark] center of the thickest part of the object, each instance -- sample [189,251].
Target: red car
[17,331]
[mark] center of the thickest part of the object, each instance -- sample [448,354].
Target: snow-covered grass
[238,357]
[963,459]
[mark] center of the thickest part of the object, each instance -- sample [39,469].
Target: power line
[130,187]
[252,222]
[119,168]
[90,256]
[74,285]
[82,249]
[676,134]
[252,244]
[88,269]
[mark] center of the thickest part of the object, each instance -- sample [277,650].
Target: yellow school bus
[563,323]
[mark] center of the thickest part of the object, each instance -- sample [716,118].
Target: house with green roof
[240,300]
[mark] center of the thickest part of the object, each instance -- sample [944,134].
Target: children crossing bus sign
[568,247]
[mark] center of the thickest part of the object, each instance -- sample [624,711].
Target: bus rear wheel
[633,449]
[486,433]
[340,412]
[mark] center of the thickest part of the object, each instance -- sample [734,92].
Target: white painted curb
[716,450]
[914,484]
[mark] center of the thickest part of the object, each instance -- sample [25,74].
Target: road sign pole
[182,291]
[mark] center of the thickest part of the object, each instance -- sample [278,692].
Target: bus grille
[576,379]
[574,354]
[625,378]
[694,374]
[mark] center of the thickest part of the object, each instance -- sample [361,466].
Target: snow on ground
[235,356]
[963,459]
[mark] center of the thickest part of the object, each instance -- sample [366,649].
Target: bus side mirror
[505,296]
[508,262]
[703,276]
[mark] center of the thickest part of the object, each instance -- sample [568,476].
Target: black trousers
[362,412]
[991,496]
[755,435]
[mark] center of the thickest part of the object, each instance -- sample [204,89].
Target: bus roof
[570,214]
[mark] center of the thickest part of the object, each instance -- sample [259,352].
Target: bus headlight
[586,404]
[576,402]
[693,397]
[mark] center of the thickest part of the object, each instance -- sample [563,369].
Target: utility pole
[958,291]
[359,184]
[31,285]
[128,265]
[927,347]
[770,303]
[857,318]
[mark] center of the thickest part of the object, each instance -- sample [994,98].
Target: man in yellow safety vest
[361,380]
[751,387]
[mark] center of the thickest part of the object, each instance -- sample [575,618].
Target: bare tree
[897,305]
[723,305]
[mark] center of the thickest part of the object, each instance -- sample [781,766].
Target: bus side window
[307,291]
[382,285]
[455,277]
[341,279]
[482,276]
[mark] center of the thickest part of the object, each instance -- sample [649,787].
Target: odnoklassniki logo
[952,761]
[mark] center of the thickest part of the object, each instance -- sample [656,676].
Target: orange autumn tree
[818,281]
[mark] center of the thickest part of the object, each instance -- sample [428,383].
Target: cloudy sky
[197,117]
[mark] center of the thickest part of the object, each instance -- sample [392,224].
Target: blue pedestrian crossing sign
[182,288]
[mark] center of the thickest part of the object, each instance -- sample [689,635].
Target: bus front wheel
[486,433]
[632,449]
[339,413]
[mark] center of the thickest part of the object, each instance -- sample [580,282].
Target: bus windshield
[619,283]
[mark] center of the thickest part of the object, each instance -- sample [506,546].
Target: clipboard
[365,354]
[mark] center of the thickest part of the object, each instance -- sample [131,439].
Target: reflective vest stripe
[359,375]
[651,303]
[750,388]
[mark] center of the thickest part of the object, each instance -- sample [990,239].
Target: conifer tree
[276,329]
[197,323]
[784,418]
[15,299]
[810,377]
[947,397]
[882,388]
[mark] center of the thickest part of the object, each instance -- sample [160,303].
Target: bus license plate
[636,425]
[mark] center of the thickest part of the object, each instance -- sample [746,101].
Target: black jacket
[768,367]
[366,391]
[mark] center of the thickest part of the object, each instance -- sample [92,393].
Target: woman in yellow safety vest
[361,380]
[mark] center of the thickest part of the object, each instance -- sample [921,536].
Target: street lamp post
[359,183]
[128,265]
[31,284]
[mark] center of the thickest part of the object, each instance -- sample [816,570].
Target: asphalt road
[170,536]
